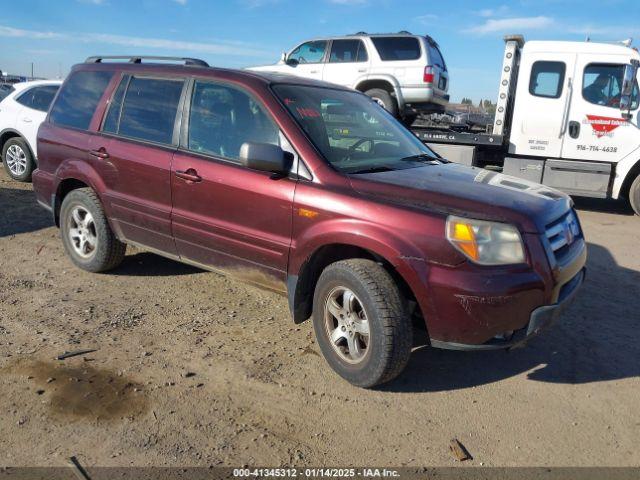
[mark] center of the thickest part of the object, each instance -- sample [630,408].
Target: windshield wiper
[372,170]
[422,157]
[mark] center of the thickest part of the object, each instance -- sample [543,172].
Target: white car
[404,73]
[21,113]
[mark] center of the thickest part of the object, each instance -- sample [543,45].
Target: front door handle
[574,129]
[100,153]
[26,120]
[190,175]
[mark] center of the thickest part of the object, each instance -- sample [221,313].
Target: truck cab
[568,114]
[567,117]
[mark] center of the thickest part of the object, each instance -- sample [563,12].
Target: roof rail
[138,59]
[401,32]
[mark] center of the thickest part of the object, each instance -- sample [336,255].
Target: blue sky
[236,33]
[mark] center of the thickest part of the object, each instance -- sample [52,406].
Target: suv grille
[562,233]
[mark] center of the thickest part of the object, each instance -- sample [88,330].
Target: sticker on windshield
[604,126]
[308,112]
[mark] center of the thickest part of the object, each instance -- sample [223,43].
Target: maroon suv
[310,190]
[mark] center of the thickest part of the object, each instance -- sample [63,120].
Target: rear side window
[78,99]
[5,90]
[547,79]
[397,48]
[146,111]
[38,98]
[343,51]
[435,57]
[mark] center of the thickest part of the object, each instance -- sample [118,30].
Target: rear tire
[18,160]
[384,99]
[634,195]
[366,298]
[86,234]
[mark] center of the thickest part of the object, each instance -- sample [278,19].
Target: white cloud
[17,32]
[512,25]
[181,2]
[214,48]
[427,19]
[493,12]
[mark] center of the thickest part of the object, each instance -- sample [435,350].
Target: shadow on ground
[20,212]
[145,264]
[616,207]
[598,339]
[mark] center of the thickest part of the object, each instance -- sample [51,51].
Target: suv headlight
[486,243]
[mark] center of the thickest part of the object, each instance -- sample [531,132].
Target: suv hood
[452,188]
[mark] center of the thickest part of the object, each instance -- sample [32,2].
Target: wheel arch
[300,286]
[631,175]
[385,82]
[71,176]
[9,133]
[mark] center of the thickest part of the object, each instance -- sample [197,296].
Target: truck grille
[562,233]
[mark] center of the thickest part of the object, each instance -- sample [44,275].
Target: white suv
[405,73]
[21,113]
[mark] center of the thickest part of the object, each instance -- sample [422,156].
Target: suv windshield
[353,133]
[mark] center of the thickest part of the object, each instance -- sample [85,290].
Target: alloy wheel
[346,325]
[82,232]
[16,160]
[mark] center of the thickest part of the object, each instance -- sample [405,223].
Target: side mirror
[628,84]
[265,157]
[292,62]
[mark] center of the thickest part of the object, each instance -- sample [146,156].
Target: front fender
[408,261]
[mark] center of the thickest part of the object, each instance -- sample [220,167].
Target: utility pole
[31,70]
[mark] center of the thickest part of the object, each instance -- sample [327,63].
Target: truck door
[542,103]
[595,128]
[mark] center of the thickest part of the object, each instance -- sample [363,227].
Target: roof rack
[138,59]
[401,32]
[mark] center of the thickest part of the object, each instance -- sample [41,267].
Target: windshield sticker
[308,112]
[604,126]
[289,101]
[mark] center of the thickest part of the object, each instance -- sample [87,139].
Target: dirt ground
[192,368]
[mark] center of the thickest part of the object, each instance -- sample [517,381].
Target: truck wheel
[384,99]
[634,195]
[86,235]
[17,159]
[361,322]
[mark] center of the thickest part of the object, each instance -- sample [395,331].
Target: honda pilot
[310,190]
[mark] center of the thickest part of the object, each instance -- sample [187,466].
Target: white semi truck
[567,117]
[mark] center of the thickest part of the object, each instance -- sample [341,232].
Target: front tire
[384,99]
[86,234]
[18,160]
[361,322]
[634,195]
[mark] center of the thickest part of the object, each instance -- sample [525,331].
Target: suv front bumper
[540,319]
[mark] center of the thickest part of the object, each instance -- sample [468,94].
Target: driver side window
[310,52]
[222,118]
[601,85]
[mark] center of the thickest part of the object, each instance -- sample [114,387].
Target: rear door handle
[100,153]
[190,175]
[26,119]
[574,129]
